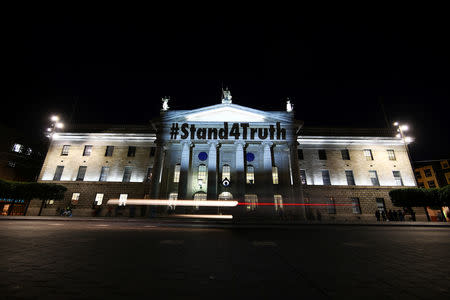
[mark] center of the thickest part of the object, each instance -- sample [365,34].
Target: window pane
[152,151]
[104,174]
[201,176]
[368,154]
[322,155]
[397,177]
[374,178]
[300,154]
[428,173]
[391,154]
[225,196]
[380,204]
[431,184]
[356,205]
[176,176]
[275,175]
[345,154]
[252,201]
[326,177]
[75,198]
[123,199]
[278,201]
[303,177]
[109,150]
[58,173]
[331,206]
[131,151]
[350,178]
[250,175]
[98,199]
[81,173]
[127,174]
[65,150]
[226,170]
[87,150]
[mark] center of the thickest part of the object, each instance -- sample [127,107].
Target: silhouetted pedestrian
[319,216]
[389,215]
[401,216]
[377,215]
[394,216]
[383,215]
[413,216]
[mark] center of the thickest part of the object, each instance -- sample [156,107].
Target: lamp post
[55,125]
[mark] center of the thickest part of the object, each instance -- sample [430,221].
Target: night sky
[337,71]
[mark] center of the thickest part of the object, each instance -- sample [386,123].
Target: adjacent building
[271,164]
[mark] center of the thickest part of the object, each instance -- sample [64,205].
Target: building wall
[357,163]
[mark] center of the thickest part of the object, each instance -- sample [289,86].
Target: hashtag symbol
[174,131]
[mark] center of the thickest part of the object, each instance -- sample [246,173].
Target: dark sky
[335,69]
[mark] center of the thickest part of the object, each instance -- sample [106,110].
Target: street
[101,260]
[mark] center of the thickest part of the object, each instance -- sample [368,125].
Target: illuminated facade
[266,161]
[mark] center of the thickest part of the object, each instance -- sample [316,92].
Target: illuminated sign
[234,130]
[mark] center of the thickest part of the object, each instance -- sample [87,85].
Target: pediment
[227,113]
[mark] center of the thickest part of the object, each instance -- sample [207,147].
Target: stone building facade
[267,161]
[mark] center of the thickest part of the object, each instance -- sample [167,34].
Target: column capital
[267,143]
[214,143]
[240,142]
[188,143]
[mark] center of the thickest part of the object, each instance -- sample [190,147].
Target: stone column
[239,180]
[297,188]
[185,168]
[212,170]
[267,183]
[157,171]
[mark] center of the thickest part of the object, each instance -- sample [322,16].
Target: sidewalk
[218,223]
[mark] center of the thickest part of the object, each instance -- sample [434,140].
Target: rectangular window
[417,173]
[427,172]
[226,172]
[275,175]
[431,184]
[322,155]
[380,204]
[148,176]
[391,155]
[65,150]
[397,177]
[104,174]
[331,206]
[303,177]
[152,151]
[250,175]
[127,174]
[109,150]
[81,173]
[374,178]
[98,199]
[345,154]
[87,150]
[58,173]
[176,175]
[252,201]
[368,154]
[444,164]
[356,205]
[131,151]
[278,201]
[350,177]
[17,148]
[300,154]
[173,196]
[326,177]
[421,185]
[123,199]
[75,198]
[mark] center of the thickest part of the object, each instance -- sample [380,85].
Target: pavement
[79,258]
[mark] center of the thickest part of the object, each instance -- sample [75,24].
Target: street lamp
[54,126]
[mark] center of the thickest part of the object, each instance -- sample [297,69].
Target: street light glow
[408,139]
[395,123]
[59,125]
[404,127]
[54,118]
[398,135]
[49,129]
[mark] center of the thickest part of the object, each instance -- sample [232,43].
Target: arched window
[275,175]
[250,175]
[201,176]
[200,196]
[278,201]
[176,175]
[225,196]
[226,172]
[252,201]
